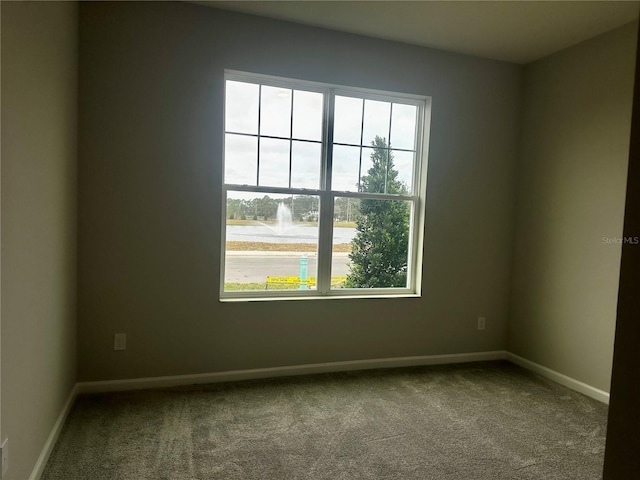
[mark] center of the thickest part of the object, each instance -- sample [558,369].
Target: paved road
[256,267]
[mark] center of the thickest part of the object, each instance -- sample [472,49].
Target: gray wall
[573,165]
[39,110]
[150,187]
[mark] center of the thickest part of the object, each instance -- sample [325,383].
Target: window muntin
[290,154]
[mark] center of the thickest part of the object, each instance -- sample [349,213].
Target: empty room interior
[319,240]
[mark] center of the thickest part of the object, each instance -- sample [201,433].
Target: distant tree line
[304,208]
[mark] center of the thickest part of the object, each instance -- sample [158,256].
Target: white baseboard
[234,375]
[36,473]
[560,378]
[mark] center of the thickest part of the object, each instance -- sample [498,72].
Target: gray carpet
[480,421]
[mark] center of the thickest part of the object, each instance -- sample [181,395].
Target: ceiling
[513,31]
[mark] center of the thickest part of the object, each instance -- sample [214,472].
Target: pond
[295,233]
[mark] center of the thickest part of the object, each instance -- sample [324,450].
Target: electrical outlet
[482,323]
[5,457]
[120,341]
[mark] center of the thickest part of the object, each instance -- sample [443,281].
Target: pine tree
[379,249]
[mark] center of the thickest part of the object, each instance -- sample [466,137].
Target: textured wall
[150,186]
[39,141]
[573,166]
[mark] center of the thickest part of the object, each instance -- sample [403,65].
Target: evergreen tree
[379,249]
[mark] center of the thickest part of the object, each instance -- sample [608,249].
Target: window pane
[403,126]
[275,141]
[373,178]
[403,164]
[346,163]
[373,252]
[241,107]
[347,123]
[345,213]
[376,121]
[271,242]
[307,115]
[275,112]
[380,172]
[305,164]
[274,163]
[240,159]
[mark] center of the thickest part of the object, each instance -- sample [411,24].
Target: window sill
[319,297]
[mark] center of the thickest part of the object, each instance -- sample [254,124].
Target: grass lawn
[233,221]
[282,247]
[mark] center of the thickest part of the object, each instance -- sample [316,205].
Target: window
[324,190]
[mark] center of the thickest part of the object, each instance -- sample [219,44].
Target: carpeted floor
[480,421]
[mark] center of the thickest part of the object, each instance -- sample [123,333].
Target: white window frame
[326,195]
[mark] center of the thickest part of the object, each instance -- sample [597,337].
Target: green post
[304,262]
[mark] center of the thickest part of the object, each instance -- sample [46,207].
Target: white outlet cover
[120,341]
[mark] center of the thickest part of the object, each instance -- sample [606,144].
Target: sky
[305,128]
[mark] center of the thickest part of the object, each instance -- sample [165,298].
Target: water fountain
[284,230]
[284,221]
